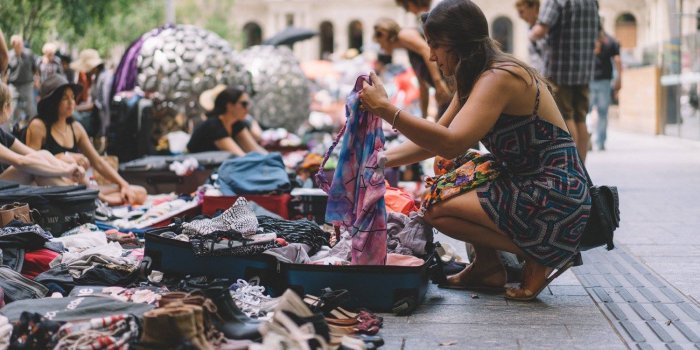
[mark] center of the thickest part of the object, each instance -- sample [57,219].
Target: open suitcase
[397,289]
[60,208]
[176,257]
[153,173]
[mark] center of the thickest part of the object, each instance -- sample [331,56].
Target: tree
[36,20]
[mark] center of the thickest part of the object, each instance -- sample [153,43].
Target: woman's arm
[227,144]
[36,134]
[247,142]
[36,165]
[408,152]
[99,164]
[491,93]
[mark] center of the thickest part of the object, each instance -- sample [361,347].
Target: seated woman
[55,131]
[389,35]
[23,165]
[529,196]
[225,128]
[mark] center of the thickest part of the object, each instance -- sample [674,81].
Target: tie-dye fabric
[356,195]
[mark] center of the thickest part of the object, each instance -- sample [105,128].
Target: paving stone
[568,290]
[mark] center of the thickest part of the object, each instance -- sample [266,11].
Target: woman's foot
[479,277]
[536,277]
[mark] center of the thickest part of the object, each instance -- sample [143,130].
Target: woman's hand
[75,172]
[373,97]
[76,158]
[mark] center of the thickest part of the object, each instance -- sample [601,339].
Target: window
[327,41]
[355,35]
[502,31]
[252,34]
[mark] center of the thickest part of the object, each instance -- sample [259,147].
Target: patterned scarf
[356,195]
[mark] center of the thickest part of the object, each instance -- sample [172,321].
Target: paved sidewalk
[659,184]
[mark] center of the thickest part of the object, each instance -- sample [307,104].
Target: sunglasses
[244,104]
[378,34]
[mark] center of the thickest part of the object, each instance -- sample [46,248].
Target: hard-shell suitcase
[153,174]
[176,257]
[383,288]
[60,208]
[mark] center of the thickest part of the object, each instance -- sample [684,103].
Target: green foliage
[41,20]
[213,15]
[105,24]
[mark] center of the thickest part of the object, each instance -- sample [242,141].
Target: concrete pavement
[643,295]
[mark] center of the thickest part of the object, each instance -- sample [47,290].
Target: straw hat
[207,98]
[87,61]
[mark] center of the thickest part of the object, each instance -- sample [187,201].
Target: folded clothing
[238,218]
[37,261]
[74,308]
[18,287]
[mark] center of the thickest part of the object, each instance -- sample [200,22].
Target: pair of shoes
[177,323]
[294,326]
[531,295]
[329,304]
[251,299]
[476,287]
[213,335]
[230,320]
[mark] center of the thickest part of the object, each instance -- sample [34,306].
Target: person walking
[571,30]
[607,54]
[528,10]
[48,64]
[390,36]
[22,67]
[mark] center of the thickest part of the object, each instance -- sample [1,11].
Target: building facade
[662,33]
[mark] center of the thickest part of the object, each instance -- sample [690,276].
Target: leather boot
[208,315]
[186,319]
[157,330]
[231,320]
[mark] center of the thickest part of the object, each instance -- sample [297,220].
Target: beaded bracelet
[393,121]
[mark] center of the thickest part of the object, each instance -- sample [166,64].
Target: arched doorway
[626,30]
[252,34]
[502,31]
[355,35]
[327,39]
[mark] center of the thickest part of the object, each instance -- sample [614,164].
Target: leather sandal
[477,287]
[329,303]
[553,275]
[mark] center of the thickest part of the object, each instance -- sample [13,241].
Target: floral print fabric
[459,175]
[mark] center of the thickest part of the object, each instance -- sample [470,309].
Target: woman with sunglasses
[55,130]
[226,128]
[389,35]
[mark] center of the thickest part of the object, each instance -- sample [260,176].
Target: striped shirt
[573,29]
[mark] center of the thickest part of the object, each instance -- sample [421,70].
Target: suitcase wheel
[404,306]
[145,267]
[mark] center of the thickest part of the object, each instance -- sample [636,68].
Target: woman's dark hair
[460,26]
[48,110]
[230,95]
[419,3]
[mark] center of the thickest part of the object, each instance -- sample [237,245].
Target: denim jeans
[600,91]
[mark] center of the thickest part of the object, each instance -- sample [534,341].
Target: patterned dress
[532,185]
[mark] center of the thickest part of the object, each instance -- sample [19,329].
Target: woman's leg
[463,218]
[13,174]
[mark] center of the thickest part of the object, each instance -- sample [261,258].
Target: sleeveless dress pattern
[540,196]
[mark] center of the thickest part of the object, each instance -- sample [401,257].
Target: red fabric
[399,201]
[37,261]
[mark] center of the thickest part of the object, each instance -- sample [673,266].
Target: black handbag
[604,217]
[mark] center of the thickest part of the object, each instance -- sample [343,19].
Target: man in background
[571,30]
[607,54]
[22,68]
[528,10]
